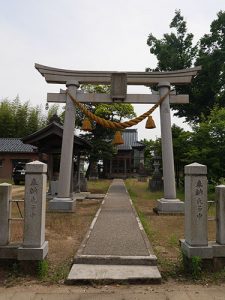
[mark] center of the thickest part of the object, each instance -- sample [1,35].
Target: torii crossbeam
[118,82]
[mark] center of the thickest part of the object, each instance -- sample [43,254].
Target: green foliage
[101,137]
[42,269]
[19,119]
[175,51]
[173,240]
[151,147]
[208,143]
[205,145]
[60,273]
[181,146]
[192,266]
[54,110]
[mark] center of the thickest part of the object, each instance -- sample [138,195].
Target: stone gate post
[220,215]
[34,245]
[196,212]
[168,204]
[5,197]
[64,201]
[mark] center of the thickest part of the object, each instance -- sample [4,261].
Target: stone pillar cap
[195,169]
[164,84]
[36,167]
[72,82]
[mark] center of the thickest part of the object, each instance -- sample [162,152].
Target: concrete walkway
[116,247]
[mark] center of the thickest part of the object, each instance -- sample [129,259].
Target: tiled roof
[57,129]
[15,145]
[130,138]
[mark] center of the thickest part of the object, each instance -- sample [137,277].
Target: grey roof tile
[15,145]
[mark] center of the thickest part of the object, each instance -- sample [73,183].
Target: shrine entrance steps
[116,248]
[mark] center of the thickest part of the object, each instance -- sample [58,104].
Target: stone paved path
[116,247]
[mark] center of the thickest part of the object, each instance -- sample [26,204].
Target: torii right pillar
[168,204]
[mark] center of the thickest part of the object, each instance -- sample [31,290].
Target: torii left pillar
[64,201]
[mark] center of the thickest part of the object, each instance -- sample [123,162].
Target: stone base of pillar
[205,252]
[33,253]
[169,206]
[9,251]
[212,250]
[58,204]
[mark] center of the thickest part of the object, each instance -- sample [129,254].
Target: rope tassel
[86,125]
[150,124]
[118,140]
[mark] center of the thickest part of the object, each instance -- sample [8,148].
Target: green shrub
[42,269]
[192,266]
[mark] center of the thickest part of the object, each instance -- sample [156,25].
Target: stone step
[150,260]
[113,273]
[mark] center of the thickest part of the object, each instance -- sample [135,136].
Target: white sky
[87,35]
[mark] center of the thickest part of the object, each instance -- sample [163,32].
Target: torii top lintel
[55,75]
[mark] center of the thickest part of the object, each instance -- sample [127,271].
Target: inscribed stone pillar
[220,214]
[196,224]
[5,197]
[34,245]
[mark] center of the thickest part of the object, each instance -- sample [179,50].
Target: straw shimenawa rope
[116,125]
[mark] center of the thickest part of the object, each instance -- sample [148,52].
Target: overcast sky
[87,35]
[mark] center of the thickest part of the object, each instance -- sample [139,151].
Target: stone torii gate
[118,81]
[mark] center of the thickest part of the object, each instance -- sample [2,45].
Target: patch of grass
[150,233]
[192,266]
[6,181]
[59,273]
[164,233]
[140,189]
[136,191]
[42,269]
[99,186]
[173,240]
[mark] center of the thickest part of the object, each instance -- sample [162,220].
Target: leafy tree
[101,137]
[210,84]
[182,144]
[7,128]
[151,148]
[19,119]
[208,143]
[54,110]
[175,51]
